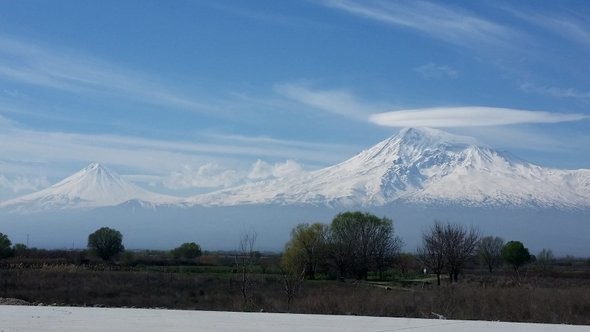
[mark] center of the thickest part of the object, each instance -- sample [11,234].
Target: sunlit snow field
[36,318]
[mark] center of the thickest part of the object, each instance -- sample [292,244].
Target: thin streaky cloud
[517,137]
[432,70]
[159,156]
[71,72]
[442,22]
[574,28]
[258,140]
[339,102]
[275,18]
[469,116]
[553,91]
[569,28]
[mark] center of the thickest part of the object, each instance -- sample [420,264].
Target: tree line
[353,245]
[357,243]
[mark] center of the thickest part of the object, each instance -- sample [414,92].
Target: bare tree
[432,251]
[447,246]
[359,242]
[244,260]
[545,258]
[292,280]
[489,251]
[459,245]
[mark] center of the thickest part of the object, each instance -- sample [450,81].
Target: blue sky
[191,96]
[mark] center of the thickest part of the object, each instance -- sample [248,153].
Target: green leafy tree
[188,250]
[306,250]
[515,254]
[105,243]
[5,246]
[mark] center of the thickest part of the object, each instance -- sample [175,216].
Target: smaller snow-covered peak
[92,186]
[93,167]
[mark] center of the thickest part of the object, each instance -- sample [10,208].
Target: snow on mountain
[423,166]
[417,166]
[93,186]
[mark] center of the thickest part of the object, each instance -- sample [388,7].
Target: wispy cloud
[431,70]
[469,116]
[68,71]
[339,102]
[23,183]
[262,170]
[555,91]
[213,176]
[443,22]
[524,137]
[209,175]
[153,155]
[570,26]
[267,16]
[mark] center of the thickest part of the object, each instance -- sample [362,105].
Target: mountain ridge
[416,166]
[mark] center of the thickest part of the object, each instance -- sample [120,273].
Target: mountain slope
[423,166]
[93,186]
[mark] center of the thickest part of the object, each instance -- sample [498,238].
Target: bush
[188,250]
[20,249]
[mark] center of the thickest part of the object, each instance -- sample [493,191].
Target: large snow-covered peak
[429,137]
[412,144]
[421,165]
[92,186]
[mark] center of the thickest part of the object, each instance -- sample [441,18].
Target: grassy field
[558,294]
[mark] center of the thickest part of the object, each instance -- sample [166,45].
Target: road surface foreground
[36,318]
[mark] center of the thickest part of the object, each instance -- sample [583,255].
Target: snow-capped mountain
[417,166]
[423,166]
[93,186]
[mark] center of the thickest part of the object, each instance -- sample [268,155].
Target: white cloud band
[469,116]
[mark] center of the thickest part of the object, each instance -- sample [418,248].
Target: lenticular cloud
[469,116]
